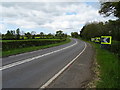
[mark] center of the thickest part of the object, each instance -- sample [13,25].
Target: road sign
[97,39]
[106,39]
[92,39]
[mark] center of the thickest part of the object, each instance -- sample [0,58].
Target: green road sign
[97,39]
[106,39]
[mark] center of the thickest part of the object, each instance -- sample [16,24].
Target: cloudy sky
[48,17]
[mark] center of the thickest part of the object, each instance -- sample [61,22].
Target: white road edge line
[30,59]
[62,70]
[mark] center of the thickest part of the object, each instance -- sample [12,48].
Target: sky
[48,17]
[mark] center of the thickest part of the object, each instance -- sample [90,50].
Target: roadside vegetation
[28,43]
[16,41]
[109,68]
[32,48]
[108,58]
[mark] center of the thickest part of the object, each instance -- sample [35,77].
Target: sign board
[97,39]
[92,39]
[106,39]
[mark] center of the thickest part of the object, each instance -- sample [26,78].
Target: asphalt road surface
[34,69]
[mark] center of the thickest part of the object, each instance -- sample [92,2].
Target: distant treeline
[75,34]
[97,29]
[111,28]
[21,35]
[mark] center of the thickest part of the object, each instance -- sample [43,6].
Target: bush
[27,43]
[115,47]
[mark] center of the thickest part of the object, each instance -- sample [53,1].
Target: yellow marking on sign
[97,39]
[105,38]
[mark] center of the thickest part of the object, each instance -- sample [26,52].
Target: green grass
[109,68]
[37,37]
[28,49]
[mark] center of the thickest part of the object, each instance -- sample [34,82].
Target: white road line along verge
[30,59]
[62,70]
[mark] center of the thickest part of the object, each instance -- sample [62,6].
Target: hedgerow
[27,43]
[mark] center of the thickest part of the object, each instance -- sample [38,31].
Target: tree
[74,34]
[108,8]
[41,35]
[18,33]
[114,29]
[109,28]
[0,35]
[9,35]
[33,33]
[95,29]
[28,35]
[3,36]
[50,35]
[22,34]
[65,35]
[59,34]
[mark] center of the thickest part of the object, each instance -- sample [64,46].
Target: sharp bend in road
[33,69]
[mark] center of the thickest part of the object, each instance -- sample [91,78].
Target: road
[34,69]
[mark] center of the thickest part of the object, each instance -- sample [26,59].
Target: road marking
[30,59]
[62,70]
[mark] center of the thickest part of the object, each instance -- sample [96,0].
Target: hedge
[115,48]
[27,43]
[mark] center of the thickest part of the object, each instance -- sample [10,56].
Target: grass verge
[28,49]
[109,68]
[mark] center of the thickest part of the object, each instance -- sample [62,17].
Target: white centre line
[61,71]
[36,57]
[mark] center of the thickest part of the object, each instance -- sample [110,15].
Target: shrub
[27,43]
[115,48]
